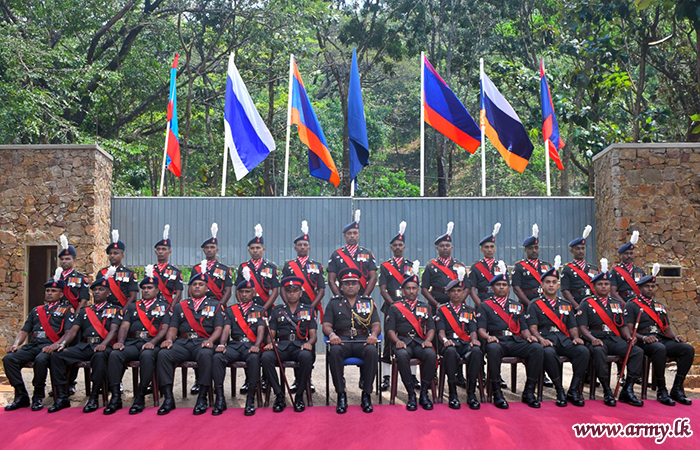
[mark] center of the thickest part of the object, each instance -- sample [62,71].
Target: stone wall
[48,190]
[655,189]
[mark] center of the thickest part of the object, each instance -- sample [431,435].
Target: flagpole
[352,188]
[483,133]
[422,126]
[289,123]
[223,175]
[546,148]
[165,152]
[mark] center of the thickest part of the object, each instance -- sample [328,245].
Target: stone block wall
[655,189]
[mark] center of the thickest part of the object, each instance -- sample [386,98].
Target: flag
[357,126]
[444,112]
[321,163]
[172,137]
[550,128]
[503,127]
[247,138]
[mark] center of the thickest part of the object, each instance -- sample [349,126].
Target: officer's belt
[603,328]
[39,335]
[92,340]
[652,329]
[239,339]
[358,332]
[551,330]
[437,289]
[140,335]
[290,337]
[410,334]
[501,333]
[191,335]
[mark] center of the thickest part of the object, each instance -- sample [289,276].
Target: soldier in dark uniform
[355,257]
[351,323]
[409,325]
[293,328]
[76,289]
[483,270]
[44,325]
[391,274]
[195,325]
[169,281]
[553,322]
[527,274]
[97,325]
[576,276]
[241,340]
[625,275]
[601,322]
[140,333]
[657,339]
[263,272]
[501,323]
[440,271]
[123,287]
[456,325]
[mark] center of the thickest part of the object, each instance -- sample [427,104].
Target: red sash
[296,268]
[162,287]
[392,270]
[147,323]
[649,312]
[196,326]
[532,270]
[211,284]
[553,317]
[411,318]
[351,263]
[505,316]
[114,288]
[446,270]
[95,322]
[628,278]
[240,320]
[258,284]
[584,276]
[481,267]
[72,298]
[44,319]
[604,316]
[453,323]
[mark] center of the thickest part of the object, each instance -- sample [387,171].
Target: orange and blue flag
[445,113]
[172,150]
[321,163]
[550,127]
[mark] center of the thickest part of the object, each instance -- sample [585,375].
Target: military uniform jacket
[209,315]
[125,278]
[220,275]
[546,326]
[572,282]
[364,260]
[623,288]
[436,280]
[171,277]
[266,274]
[647,325]
[464,316]
[488,319]
[59,314]
[477,279]
[76,287]
[288,323]
[587,316]
[343,317]
[108,315]
[393,286]
[397,322]
[158,313]
[526,280]
[253,317]
[313,274]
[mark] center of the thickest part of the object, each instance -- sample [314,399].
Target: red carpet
[320,427]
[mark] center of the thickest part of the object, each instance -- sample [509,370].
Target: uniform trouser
[73,355]
[473,355]
[368,371]
[305,358]
[618,347]
[427,356]
[13,363]
[181,351]
[658,351]
[132,352]
[508,346]
[563,346]
[237,352]
[388,346]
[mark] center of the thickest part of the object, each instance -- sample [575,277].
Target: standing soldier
[527,274]
[123,286]
[657,339]
[169,277]
[354,257]
[625,275]
[263,272]
[576,276]
[44,325]
[440,271]
[75,286]
[483,270]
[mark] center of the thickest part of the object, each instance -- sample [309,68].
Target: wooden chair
[290,365]
[135,365]
[243,365]
[395,378]
[442,375]
[610,359]
[87,369]
[192,365]
[513,361]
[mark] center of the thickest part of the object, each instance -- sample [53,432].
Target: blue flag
[357,126]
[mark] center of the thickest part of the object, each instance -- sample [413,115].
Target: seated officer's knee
[401,355]
[306,356]
[370,349]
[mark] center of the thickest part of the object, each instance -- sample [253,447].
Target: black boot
[249,409]
[38,398]
[21,399]
[62,400]
[547,382]
[94,400]
[662,393]
[412,403]
[627,394]
[677,391]
[115,403]
[168,400]
[460,381]
[299,405]
[280,403]
[561,394]
[416,383]
[366,402]
[194,390]
[386,383]
[201,406]
[453,402]
[139,401]
[244,388]
[293,387]
[528,396]
[424,400]
[608,396]
[471,396]
[219,401]
[341,406]
[573,396]
[498,399]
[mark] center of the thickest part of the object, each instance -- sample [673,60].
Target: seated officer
[244,331]
[410,327]
[601,323]
[657,339]
[97,325]
[143,328]
[501,322]
[195,325]
[351,323]
[294,328]
[456,325]
[552,321]
[45,325]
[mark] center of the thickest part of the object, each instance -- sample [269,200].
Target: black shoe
[168,401]
[386,383]
[547,382]
[280,404]
[244,388]
[472,401]
[528,396]
[502,383]
[293,387]
[71,388]
[219,401]
[342,404]
[366,402]
[627,394]
[148,391]
[361,383]
[416,383]
[677,393]
[561,398]
[453,402]
[201,406]
[498,399]
[574,398]
[424,400]
[313,388]
[194,390]
[608,396]
[61,403]
[93,402]
[412,403]
[249,404]
[263,384]
[21,400]
[115,403]
[662,395]
[37,404]
[139,404]
[460,381]
[299,405]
